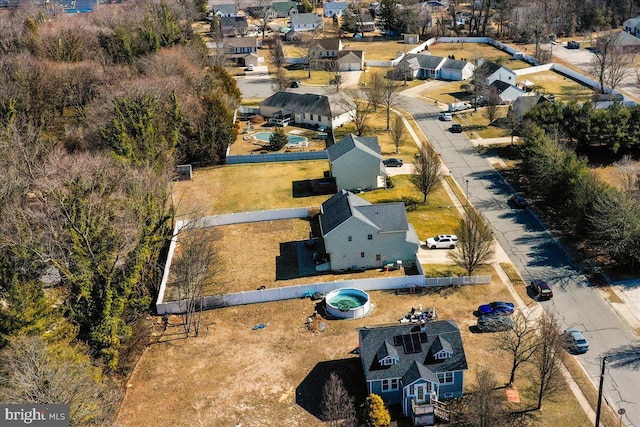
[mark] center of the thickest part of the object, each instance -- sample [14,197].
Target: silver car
[575,341]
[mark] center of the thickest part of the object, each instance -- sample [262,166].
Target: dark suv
[541,289]
[455,128]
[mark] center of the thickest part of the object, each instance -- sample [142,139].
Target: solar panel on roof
[423,337]
[397,340]
[411,343]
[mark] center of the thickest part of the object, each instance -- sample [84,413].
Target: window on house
[389,385]
[443,355]
[361,254]
[378,257]
[350,238]
[369,236]
[412,390]
[388,361]
[445,378]
[311,115]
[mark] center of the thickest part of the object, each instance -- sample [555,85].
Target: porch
[426,414]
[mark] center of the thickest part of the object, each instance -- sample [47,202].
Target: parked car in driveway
[541,289]
[295,84]
[455,128]
[575,341]
[494,323]
[445,117]
[442,241]
[496,308]
[249,67]
[392,163]
[519,201]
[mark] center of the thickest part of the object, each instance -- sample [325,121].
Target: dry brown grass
[564,88]
[243,188]
[232,374]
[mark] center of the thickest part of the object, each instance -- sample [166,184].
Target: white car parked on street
[443,241]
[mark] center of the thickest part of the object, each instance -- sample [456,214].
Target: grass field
[474,51]
[564,88]
[475,124]
[232,375]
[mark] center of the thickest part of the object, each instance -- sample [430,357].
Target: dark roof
[523,104]
[414,359]
[344,205]
[331,105]
[490,67]
[500,85]
[366,144]
[454,64]
[225,8]
[328,44]
[357,54]
[233,22]
[387,349]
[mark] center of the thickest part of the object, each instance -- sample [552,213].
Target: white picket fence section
[301,291]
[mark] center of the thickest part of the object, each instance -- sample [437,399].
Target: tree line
[607,217]
[95,112]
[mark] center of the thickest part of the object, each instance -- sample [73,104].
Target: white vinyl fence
[301,291]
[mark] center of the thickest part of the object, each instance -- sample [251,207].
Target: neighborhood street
[537,254]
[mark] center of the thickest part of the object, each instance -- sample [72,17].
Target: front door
[423,392]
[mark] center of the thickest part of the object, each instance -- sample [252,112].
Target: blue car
[496,308]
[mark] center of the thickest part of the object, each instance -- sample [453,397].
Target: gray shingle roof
[241,42]
[366,144]
[454,64]
[225,8]
[304,18]
[413,365]
[328,44]
[238,22]
[350,55]
[500,85]
[387,349]
[331,105]
[490,67]
[429,62]
[386,216]
[525,103]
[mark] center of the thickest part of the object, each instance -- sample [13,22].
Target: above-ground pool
[348,303]
[294,140]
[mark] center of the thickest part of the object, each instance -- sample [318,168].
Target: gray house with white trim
[426,66]
[361,235]
[415,366]
[493,72]
[356,162]
[305,22]
[336,8]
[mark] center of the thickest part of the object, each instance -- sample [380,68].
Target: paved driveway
[537,254]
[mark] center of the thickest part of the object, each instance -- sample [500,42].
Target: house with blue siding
[415,366]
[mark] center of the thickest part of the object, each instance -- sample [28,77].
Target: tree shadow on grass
[309,391]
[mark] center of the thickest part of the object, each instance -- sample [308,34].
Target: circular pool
[348,303]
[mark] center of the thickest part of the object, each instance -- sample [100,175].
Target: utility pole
[599,408]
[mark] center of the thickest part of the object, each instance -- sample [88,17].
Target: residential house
[282,9]
[456,70]
[366,23]
[234,26]
[305,22]
[508,93]
[356,163]
[493,72]
[351,60]
[242,50]
[624,41]
[358,234]
[524,103]
[330,111]
[415,366]
[337,8]
[426,66]
[227,10]
[632,26]
[324,52]
[375,9]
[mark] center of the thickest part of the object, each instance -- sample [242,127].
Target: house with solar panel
[356,163]
[415,366]
[361,235]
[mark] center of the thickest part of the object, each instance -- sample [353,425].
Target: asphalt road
[537,254]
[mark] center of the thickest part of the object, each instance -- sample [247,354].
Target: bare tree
[336,81]
[280,81]
[276,54]
[478,87]
[374,90]
[37,373]
[309,47]
[547,376]
[610,63]
[338,408]
[193,270]
[520,342]
[493,102]
[484,406]
[390,95]
[358,108]
[261,13]
[426,172]
[475,241]
[514,121]
[397,132]
[628,171]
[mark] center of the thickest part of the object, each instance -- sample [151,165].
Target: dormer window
[388,361]
[442,354]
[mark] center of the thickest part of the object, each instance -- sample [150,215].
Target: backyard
[232,375]
[256,139]
[563,88]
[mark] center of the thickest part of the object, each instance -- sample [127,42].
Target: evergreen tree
[278,139]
